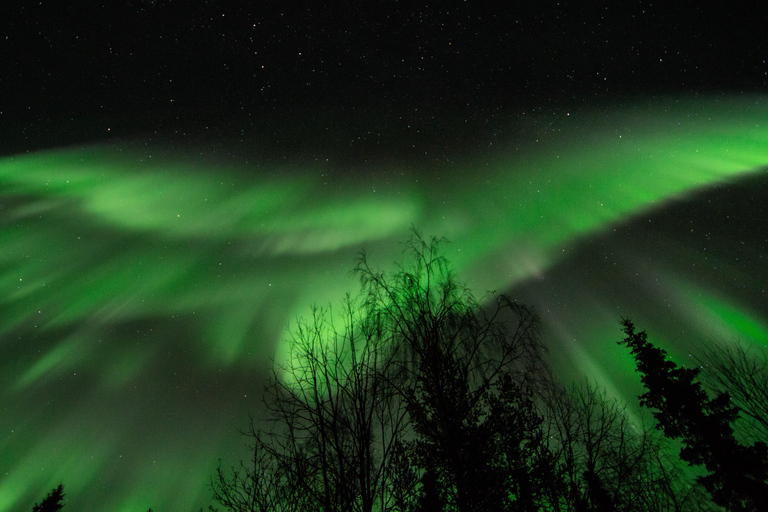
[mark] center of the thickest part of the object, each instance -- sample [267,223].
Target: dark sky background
[75,71]
[179,180]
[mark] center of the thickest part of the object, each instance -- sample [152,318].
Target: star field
[180,180]
[145,66]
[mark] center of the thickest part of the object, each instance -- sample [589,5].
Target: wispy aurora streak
[143,296]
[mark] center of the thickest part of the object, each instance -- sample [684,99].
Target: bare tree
[606,461]
[451,354]
[334,401]
[260,486]
[333,423]
[741,370]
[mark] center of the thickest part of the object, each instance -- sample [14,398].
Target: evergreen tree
[52,502]
[737,474]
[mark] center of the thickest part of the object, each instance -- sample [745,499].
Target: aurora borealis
[179,181]
[142,297]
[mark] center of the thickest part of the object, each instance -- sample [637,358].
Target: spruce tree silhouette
[738,474]
[52,502]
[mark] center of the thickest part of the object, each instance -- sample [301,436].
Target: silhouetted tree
[52,502]
[404,481]
[420,398]
[737,474]
[335,423]
[742,371]
[451,355]
[256,487]
[524,468]
[431,498]
[606,461]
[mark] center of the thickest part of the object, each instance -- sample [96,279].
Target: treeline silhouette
[416,397]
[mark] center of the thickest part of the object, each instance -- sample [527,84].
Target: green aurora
[144,292]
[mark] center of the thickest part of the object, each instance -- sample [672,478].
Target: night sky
[180,180]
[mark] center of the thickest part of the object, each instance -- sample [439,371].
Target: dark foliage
[737,474]
[52,502]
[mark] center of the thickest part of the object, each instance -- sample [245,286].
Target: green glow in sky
[723,319]
[142,294]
